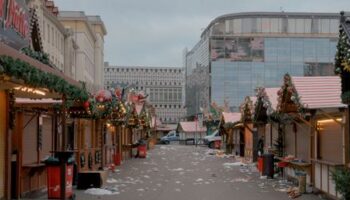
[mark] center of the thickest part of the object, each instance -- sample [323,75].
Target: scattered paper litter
[229,165]
[178,169]
[199,180]
[146,176]
[111,180]
[99,191]
[243,180]
[141,190]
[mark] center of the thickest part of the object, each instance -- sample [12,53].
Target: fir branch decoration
[36,78]
[247,110]
[40,56]
[288,94]
[342,59]
[341,177]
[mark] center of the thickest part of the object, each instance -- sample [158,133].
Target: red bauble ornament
[86,104]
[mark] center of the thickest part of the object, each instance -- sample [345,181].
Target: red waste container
[142,151]
[54,181]
[260,164]
[217,144]
[117,160]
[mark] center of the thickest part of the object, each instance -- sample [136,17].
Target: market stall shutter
[290,140]
[303,142]
[30,138]
[87,133]
[330,142]
[46,137]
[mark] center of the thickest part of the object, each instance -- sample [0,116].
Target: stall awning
[191,127]
[231,117]
[319,91]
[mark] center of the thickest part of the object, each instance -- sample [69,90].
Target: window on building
[52,37]
[44,31]
[237,26]
[324,25]
[48,33]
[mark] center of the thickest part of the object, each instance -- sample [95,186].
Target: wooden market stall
[32,127]
[232,129]
[315,137]
[191,131]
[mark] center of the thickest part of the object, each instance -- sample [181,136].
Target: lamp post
[195,133]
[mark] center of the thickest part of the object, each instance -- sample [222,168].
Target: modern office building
[164,85]
[238,52]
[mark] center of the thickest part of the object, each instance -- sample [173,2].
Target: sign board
[14,23]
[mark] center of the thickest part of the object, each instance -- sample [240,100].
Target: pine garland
[40,56]
[286,89]
[36,78]
[262,104]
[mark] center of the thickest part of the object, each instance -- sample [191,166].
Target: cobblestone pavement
[187,172]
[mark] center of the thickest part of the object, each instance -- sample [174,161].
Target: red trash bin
[260,164]
[142,151]
[54,181]
[117,160]
[217,144]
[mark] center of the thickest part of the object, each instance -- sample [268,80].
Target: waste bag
[268,165]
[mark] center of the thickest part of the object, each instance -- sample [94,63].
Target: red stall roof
[319,91]
[191,127]
[230,117]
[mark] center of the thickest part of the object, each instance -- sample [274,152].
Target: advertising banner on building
[238,49]
[14,23]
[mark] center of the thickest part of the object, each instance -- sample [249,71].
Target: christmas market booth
[191,132]
[90,134]
[251,134]
[314,136]
[33,129]
[232,133]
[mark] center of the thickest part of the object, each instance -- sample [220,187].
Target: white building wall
[52,33]
[164,85]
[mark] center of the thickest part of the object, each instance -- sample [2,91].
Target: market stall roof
[230,117]
[166,127]
[26,90]
[191,127]
[319,91]
[5,50]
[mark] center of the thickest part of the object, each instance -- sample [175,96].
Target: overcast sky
[155,32]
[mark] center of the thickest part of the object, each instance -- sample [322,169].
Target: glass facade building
[239,52]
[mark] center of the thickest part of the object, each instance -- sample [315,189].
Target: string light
[30,90]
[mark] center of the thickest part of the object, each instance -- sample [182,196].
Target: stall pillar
[347,137]
[10,100]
